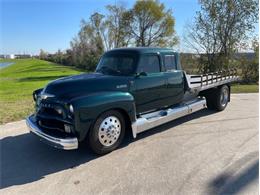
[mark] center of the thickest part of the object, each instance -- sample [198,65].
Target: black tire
[94,138]
[210,104]
[215,99]
[222,104]
[210,99]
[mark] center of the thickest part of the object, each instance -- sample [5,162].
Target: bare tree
[88,46]
[43,55]
[152,25]
[219,27]
[148,23]
[118,21]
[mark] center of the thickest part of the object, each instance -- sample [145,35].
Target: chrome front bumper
[61,143]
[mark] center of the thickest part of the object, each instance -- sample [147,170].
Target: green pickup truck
[132,89]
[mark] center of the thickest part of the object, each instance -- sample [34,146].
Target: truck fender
[87,108]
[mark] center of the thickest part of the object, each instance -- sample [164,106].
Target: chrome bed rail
[211,80]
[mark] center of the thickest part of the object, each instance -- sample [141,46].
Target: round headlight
[71,108]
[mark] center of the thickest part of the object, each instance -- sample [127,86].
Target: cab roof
[141,50]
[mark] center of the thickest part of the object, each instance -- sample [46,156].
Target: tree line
[147,23]
[217,33]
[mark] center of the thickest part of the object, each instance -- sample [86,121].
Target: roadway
[204,153]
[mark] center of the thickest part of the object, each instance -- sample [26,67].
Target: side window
[149,64]
[169,62]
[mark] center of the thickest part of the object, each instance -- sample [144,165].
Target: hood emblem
[121,86]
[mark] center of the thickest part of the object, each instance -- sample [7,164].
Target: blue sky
[30,25]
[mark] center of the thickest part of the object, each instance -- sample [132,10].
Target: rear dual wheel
[218,98]
[107,132]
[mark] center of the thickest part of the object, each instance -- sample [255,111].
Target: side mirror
[141,74]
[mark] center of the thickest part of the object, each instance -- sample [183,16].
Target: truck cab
[156,76]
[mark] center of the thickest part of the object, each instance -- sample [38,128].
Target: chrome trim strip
[143,123]
[134,129]
[44,96]
[63,143]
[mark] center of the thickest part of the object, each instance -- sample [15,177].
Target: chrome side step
[148,121]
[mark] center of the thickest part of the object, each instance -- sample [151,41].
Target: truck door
[174,91]
[149,84]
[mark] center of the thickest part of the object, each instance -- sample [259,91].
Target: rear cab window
[149,63]
[169,61]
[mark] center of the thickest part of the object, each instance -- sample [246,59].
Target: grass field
[236,88]
[18,81]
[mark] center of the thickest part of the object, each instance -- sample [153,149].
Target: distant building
[10,56]
[21,56]
[16,56]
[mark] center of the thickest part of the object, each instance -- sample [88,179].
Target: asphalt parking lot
[204,153]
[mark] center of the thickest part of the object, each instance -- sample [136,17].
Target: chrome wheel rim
[109,131]
[224,97]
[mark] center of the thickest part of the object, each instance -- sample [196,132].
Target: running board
[148,121]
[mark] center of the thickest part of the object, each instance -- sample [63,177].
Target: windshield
[116,64]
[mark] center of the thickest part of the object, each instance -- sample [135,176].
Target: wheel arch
[128,121]
[88,109]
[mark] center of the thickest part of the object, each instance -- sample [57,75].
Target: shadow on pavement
[24,159]
[175,123]
[231,182]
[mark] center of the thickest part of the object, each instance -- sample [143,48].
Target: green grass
[18,81]
[239,88]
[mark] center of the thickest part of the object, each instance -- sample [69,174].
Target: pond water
[5,64]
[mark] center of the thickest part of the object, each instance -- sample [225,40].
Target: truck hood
[67,88]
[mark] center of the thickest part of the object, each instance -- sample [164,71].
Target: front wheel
[107,132]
